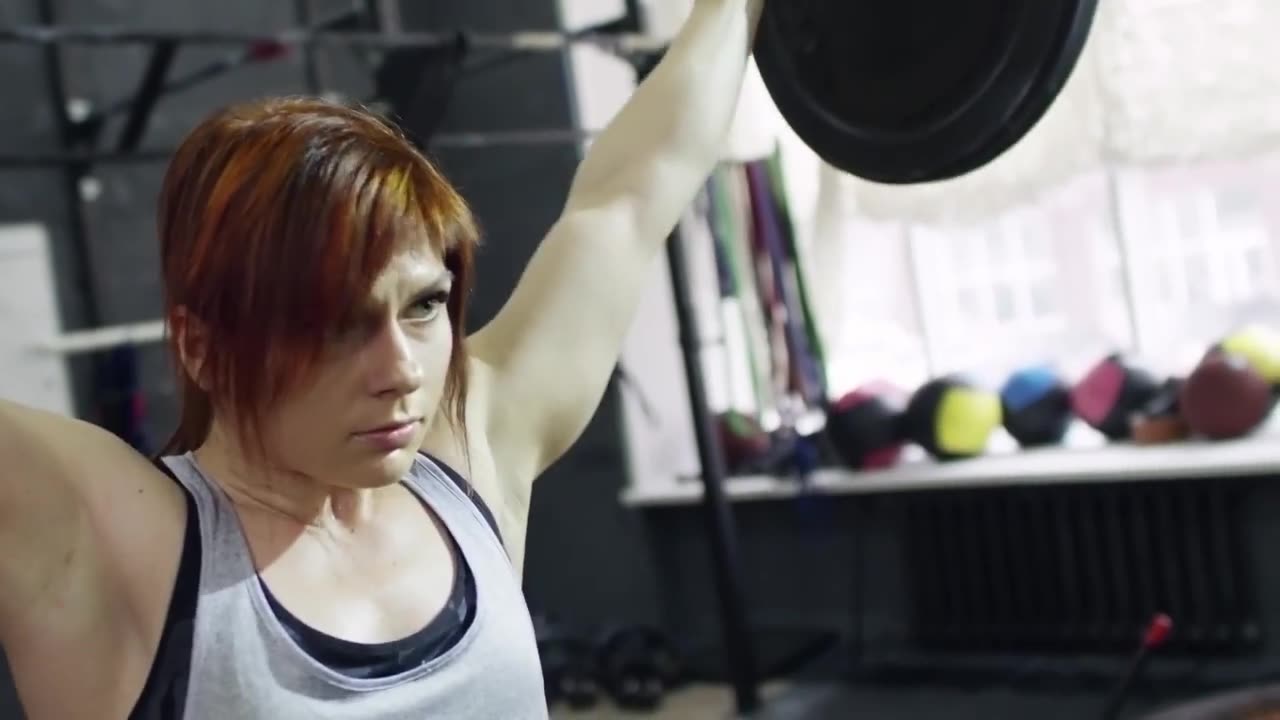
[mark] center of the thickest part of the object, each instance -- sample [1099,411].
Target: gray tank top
[245,665]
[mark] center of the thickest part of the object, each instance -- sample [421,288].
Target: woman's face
[361,417]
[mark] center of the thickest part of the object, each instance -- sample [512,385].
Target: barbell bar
[527,41]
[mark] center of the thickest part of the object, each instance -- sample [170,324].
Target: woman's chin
[386,469]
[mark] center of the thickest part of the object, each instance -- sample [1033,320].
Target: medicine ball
[744,442]
[952,417]
[1110,393]
[1036,404]
[1258,345]
[865,426]
[1225,397]
[1160,419]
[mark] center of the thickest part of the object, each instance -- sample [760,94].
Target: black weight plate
[906,91]
[1076,20]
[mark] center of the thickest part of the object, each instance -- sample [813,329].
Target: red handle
[265,50]
[1158,631]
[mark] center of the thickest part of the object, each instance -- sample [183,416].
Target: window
[1038,283]
[1202,247]
[1159,262]
[875,330]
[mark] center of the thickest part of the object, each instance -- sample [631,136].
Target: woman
[337,526]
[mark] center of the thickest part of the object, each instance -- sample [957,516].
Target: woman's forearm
[667,138]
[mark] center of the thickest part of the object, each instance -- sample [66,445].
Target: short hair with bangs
[274,219]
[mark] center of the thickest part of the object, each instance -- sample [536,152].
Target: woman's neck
[274,491]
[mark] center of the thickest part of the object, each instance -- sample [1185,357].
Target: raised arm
[552,348]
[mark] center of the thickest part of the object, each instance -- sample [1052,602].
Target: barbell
[892,91]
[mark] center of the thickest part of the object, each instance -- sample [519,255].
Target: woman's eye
[428,306]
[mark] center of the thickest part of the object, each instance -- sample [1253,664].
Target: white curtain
[1160,81]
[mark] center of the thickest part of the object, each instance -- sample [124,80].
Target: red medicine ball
[1224,397]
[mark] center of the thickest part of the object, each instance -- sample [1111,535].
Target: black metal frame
[70,135]
[735,630]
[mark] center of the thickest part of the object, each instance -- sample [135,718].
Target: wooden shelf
[1119,462]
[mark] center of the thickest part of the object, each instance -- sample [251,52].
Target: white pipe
[105,338]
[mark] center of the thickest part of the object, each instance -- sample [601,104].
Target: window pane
[1257,264]
[998,250]
[1044,304]
[1198,279]
[1059,297]
[1236,205]
[875,333]
[1037,248]
[1220,272]
[1006,309]
[970,306]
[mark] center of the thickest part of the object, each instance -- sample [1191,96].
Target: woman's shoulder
[88,594]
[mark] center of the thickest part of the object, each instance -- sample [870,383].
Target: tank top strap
[220,533]
[457,508]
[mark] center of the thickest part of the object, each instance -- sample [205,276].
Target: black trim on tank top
[164,693]
[470,492]
[375,660]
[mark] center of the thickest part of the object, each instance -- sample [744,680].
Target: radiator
[1080,569]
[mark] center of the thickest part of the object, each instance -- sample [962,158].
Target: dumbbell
[636,666]
[568,671]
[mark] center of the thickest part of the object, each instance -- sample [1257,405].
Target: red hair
[274,220]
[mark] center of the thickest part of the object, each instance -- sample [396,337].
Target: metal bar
[1120,234]
[195,77]
[104,338]
[1048,569]
[973,617]
[1218,527]
[1138,527]
[149,91]
[738,644]
[310,63]
[527,41]
[258,52]
[73,173]
[1074,624]
[1124,612]
[386,15]
[1092,529]
[1169,545]
[143,156]
[991,523]
[1199,623]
